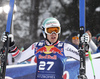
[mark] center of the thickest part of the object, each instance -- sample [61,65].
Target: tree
[92,16]
[34,14]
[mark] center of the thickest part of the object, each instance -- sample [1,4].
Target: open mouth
[53,37]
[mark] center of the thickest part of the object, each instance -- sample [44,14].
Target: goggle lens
[53,29]
[75,37]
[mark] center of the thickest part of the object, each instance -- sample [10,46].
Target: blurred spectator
[98,39]
[98,43]
[74,40]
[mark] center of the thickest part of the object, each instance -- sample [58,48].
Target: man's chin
[53,41]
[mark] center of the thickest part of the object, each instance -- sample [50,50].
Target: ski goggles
[51,30]
[75,37]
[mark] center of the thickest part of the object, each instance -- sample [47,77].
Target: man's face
[75,40]
[52,37]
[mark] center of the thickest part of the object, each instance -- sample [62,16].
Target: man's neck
[48,42]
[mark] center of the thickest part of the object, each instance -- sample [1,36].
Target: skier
[50,54]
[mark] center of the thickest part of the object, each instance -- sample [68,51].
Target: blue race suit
[50,61]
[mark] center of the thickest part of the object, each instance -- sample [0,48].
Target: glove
[3,37]
[11,39]
[85,38]
[12,48]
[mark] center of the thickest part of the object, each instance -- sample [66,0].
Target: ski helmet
[50,22]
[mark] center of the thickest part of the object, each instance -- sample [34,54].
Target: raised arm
[16,53]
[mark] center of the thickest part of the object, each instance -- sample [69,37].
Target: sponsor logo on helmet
[53,22]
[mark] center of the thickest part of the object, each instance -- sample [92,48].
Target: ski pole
[6,43]
[82,70]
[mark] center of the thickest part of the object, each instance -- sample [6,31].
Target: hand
[85,38]
[90,35]
[4,37]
